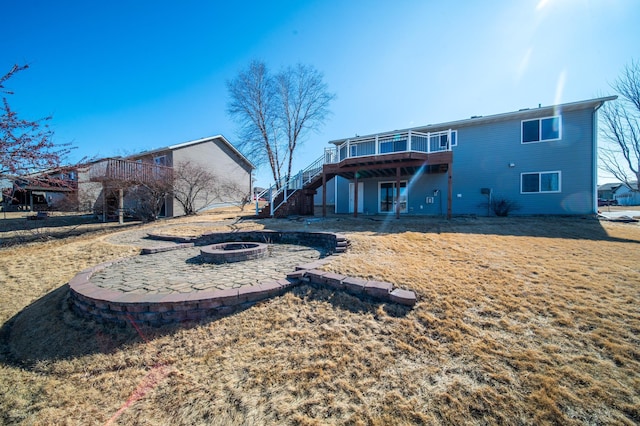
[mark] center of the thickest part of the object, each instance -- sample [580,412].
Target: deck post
[271,201]
[397,192]
[120,206]
[104,202]
[449,190]
[355,195]
[324,195]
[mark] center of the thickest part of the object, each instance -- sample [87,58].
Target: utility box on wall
[429,200]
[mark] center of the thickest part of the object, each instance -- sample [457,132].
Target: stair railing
[291,186]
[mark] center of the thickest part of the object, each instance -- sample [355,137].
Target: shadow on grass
[342,300]
[565,227]
[48,330]
[15,231]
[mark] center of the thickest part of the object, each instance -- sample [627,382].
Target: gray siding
[225,164]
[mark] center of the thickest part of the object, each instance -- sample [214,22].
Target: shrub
[502,206]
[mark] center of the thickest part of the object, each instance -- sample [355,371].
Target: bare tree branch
[305,104]
[194,187]
[276,112]
[25,146]
[620,130]
[253,106]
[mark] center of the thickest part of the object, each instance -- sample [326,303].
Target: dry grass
[520,321]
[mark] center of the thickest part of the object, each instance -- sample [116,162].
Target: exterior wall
[484,154]
[132,199]
[228,167]
[89,193]
[331,195]
[492,155]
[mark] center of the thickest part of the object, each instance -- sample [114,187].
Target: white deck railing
[289,187]
[359,147]
[392,143]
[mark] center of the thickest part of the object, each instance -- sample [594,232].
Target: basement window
[537,182]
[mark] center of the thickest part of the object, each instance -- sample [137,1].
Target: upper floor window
[541,129]
[540,182]
[161,160]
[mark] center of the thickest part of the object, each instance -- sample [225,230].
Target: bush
[502,206]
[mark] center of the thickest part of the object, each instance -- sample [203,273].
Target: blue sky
[121,77]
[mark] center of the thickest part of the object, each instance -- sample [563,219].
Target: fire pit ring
[233,252]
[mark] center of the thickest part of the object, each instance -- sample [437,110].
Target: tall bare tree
[25,146]
[253,105]
[276,112]
[305,103]
[620,154]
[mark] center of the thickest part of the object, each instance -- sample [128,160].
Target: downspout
[594,183]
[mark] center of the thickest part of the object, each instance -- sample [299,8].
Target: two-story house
[541,160]
[109,186]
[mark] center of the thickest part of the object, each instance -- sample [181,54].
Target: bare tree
[253,105]
[276,112]
[305,103]
[620,155]
[235,193]
[147,189]
[194,187]
[25,146]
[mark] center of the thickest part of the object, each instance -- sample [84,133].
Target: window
[353,150]
[531,183]
[541,129]
[160,161]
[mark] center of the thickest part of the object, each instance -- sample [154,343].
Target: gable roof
[195,142]
[609,186]
[521,114]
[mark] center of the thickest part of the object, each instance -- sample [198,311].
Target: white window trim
[156,160]
[559,117]
[539,180]
[406,185]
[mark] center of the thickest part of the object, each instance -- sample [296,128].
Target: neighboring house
[108,186]
[625,196]
[606,191]
[542,159]
[54,189]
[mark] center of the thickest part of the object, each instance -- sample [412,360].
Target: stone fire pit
[233,252]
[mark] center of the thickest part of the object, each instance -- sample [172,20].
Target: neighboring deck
[119,170]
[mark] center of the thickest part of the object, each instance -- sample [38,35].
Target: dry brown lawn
[519,321]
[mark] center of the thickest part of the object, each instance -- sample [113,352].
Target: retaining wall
[111,306]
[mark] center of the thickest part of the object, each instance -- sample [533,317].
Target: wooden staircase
[294,197]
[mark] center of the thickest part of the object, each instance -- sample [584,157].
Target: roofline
[219,136]
[195,142]
[571,106]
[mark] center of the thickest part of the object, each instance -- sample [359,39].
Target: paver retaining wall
[111,306]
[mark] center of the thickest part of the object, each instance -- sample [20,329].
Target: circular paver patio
[184,271]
